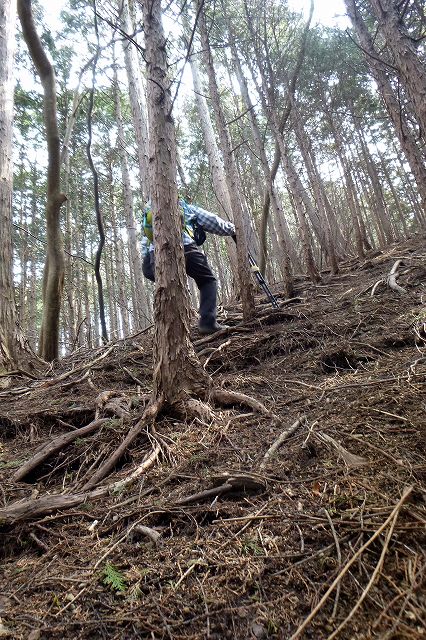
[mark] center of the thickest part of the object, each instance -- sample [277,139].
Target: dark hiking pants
[197,268]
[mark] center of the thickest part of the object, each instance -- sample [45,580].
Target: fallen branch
[348,565]
[54,446]
[234,482]
[148,532]
[351,459]
[208,493]
[279,441]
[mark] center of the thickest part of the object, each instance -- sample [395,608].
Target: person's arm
[210,222]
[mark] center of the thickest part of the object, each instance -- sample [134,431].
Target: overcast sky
[328,12]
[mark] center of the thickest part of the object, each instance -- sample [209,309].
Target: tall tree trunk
[136,95]
[323,206]
[98,212]
[286,242]
[391,102]
[411,68]
[119,274]
[139,304]
[305,235]
[8,328]
[53,277]
[177,370]
[231,173]
[111,291]
[349,183]
[217,170]
[380,208]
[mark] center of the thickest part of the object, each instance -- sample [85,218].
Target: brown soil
[253,562]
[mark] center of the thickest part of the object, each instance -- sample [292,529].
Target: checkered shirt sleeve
[210,222]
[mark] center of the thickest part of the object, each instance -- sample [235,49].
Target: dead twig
[374,575]
[348,565]
[279,441]
[218,350]
[339,559]
[351,459]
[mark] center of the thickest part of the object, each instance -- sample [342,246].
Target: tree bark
[411,69]
[53,277]
[177,371]
[139,304]
[379,71]
[8,330]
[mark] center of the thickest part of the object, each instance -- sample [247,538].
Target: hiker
[196,222]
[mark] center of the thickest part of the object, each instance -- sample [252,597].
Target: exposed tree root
[148,417]
[391,279]
[34,508]
[54,446]
[228,398]
[29,509]
[192,408]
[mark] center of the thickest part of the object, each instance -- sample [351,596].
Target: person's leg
[148,266]
[199,269]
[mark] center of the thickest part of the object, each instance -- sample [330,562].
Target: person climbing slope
[195,222]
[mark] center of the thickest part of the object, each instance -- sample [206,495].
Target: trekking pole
[261,280]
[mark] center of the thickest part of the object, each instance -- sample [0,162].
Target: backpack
[191,227]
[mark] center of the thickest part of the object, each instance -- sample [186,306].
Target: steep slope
[248,545]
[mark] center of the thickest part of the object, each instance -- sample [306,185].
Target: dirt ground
[324,538]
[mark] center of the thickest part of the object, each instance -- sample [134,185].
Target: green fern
[113,578]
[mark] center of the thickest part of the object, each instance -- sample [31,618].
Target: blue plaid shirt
[210,222]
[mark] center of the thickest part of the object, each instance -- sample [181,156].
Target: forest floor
[325,538]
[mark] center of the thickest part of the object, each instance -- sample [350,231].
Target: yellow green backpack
[189,226]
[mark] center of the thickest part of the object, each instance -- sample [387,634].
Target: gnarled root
[227,398]
[149,415]
[54,446]
[34,508]
[192,408]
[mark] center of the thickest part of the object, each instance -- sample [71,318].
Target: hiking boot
[206,330]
